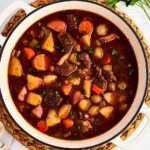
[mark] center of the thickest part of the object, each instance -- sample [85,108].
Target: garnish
[143,4]
[90,50]
[114,52]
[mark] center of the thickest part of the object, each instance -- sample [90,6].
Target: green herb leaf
[57,94]
[90,50]
[143,4]
[114,52]
[112,3]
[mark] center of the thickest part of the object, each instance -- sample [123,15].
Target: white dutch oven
[35,15]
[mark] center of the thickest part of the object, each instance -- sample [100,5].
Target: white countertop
[138,16]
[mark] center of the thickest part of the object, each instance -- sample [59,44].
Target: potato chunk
[33,82]
[38,111]
[110,97]
[48,79]
[48,44]
[86,40]
[64,111]
[102,30]
[52,118]
[98,52]
[34,99]
[93,110]
[96,99]
[87,88]
[15,67]
[84,104]
[106,111]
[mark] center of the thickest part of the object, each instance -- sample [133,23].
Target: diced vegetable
[87,88]
[68,123]
[96,99]
[15,67]
[34,99]
[98,52]
[77,96]
[114,52]
[33,82]
[75,80]
[84,104]
[122,86]
[22,93]
[41,126]
[64,111]
[86,27]
[57,25]
[86,40]
[34,43]
[38,111]
[112,86]
[96,89]
[29,53]
[93,111]
[98,43]
[52,118]
[106,59]
[106,111]
[86,126]
[41,62]
[48,79]
[109,38]
[66,89]
[48,44]
[63,58]
[73,59]
[107,67]
[102,30]
[110,97]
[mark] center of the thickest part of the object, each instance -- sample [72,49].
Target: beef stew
[73,75]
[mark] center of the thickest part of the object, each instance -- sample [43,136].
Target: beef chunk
[67,41]
[66,69]
[86,59]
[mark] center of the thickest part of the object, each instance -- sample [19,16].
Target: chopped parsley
[114,52]
[90,50]
[57,94]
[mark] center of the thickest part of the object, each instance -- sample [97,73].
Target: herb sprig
[143,4]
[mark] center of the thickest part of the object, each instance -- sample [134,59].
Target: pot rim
[109,20]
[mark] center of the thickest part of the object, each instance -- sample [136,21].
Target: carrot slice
[41,62]
[77,96]
[96,89]
[66,89]
[29,53]
[57,25]
[41,126]
[68,123]
[86,27]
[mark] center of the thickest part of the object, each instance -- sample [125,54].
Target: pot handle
[9,12]
[139,133]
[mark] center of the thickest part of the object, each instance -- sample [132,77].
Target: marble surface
[140,19]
